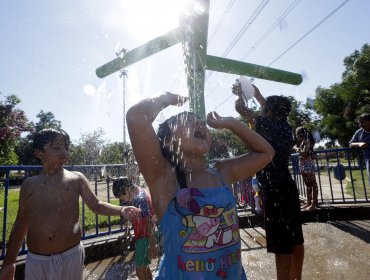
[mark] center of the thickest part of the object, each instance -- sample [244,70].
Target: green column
[195,28]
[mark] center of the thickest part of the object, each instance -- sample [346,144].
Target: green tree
[302,114]
[299,114]
[47,120]
[13,122]
[340,104]
[112,153]
[230,144]
[88,148]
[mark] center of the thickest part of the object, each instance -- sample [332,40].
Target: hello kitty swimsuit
[201,239]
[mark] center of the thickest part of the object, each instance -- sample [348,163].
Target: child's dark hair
[48,135]
[305,134]
[120,186]
[279,106]
[364,116]
[164,134]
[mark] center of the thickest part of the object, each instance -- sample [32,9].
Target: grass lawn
[358,184]
[13,196]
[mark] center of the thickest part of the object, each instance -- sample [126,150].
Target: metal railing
[340,174]
[353,188]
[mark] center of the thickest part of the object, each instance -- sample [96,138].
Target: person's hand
[240,106]
[216,121]
[7,272]
[175,99]
[362,145]
[130,212]
[236,89]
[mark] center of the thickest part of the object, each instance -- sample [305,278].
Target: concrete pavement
[335,250]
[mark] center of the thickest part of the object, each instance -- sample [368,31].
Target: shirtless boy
[49,214]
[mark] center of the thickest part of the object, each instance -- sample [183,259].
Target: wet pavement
[335,250]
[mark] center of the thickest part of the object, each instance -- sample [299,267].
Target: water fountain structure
[192,33]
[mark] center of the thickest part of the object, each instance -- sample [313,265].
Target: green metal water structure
[193,33]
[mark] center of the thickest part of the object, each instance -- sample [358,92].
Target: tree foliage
[112,153]
[13,122]
[47,120]
[88,148]
[92,148]
[299,114]
[340,104]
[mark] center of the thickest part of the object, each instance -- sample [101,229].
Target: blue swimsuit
[202,240]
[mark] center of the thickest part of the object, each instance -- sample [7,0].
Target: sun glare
[149,18]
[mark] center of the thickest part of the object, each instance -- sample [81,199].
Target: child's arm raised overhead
[241,107]
[156,170]
[259,155]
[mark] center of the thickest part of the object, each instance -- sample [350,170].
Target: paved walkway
[337,191]
[336,250]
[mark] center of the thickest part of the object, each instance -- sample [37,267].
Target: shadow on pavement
[359,229]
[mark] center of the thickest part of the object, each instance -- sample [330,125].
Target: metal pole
[123,75]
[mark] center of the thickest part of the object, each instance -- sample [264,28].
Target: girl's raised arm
[259,155]
[156,170]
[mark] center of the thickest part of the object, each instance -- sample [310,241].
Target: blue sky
[50,50]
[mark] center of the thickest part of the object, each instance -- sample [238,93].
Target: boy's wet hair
[279,106]
[48,135]
[120,186]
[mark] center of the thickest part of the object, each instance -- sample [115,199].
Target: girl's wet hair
[279,106]
[305,134]
[48,135]
[301,131]
[164,133]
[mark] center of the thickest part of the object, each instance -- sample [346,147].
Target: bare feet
[311,208]
[305,206]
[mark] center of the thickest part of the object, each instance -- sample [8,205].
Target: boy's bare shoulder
[31,181]
[75,176]
[31,184]
[39,180]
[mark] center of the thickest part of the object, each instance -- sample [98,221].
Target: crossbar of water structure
[193,33]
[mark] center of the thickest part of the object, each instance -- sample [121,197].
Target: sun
[148,18]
